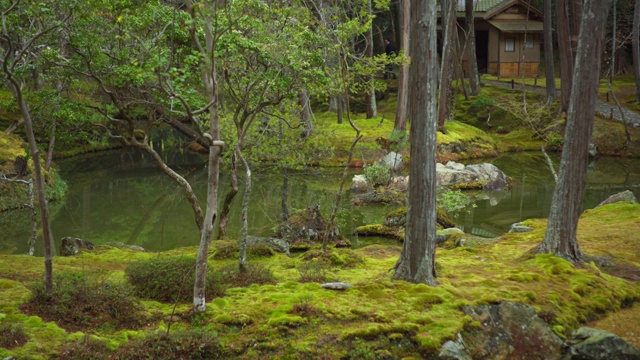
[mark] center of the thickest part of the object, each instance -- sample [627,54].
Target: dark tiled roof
[483,5]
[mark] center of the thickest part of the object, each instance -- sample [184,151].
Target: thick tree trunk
[635,45]
[417,260]
[472,60]
[549,70]
[400,123]
[560,238]
[447,65]
[564,53]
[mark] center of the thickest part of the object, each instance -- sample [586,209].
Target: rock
[593,150]
[305,227]
[490,176]
[71,246]
[509,331]
[453,350]
[385,197]
[276,244]
[337,286]
[399,183]
[625,196]
[518,227]
[359,184]
[125,246]
[454,166]
[392,161]
[445,234]
[593,344]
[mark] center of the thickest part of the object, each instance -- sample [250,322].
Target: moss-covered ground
[377,316]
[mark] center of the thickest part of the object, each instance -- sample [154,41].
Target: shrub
[230,275]
[81,302]
[12,335]
[185,345]
[377,174]
[87,348]
[316,270]
[169,279]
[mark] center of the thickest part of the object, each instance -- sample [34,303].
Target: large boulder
[278,245]
[593,344]
[625,196]
[392,161]
[509,331]
[476,176]
[71,246]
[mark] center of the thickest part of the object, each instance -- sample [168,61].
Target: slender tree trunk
[447,65]
[560,238]
[549,70]
[417,260]
[635,45]
[472,60]
[400,123]
[565,53]
[372,109]
[42,201]
[340,109]
[226,205]
[244,230]
[305,112]
[52,144]
[285,181]
[14,126]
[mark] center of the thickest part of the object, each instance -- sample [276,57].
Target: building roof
[518,27]
[486,9]
[483,5]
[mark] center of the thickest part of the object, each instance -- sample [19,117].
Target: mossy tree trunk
[417,260]
[448,63]
[564,53]
[372,109]
[400,123]
[635,45]
[560,238]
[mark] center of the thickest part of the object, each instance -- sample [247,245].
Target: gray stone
[625,196]
[71,246]
[454,166]
[593,150]
[399,183]
[490,176]
[337,286]
[444,234]
[392,161]
[518,227]
[453,350]
[360,184]
[279,245]
[125,246]
[509,331]
[593,344]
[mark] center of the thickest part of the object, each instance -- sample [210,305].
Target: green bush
[82,302]
[191,345]
[230,275]
[377,174]
[169,279]
[12,335]
[316,270]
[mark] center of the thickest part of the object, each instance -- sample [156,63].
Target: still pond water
[120,196]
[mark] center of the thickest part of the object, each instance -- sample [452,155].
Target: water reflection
[120,196]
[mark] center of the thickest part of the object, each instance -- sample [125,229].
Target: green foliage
[81,302]
[399,141]
[377,174]
[182,345]
[483,101]
[86,348]
[12,335]
[452,200]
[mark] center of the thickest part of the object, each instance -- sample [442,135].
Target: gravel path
[603,109]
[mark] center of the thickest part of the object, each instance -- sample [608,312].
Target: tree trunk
[305,112]
[42,201]
[244,231]
[372,109]
[447,65]
[564,53]
[417,260]
[211,85]
[472,60]
[400,123]
[560,238]
[635,45]
[226,205]
[549,70]
[52,144]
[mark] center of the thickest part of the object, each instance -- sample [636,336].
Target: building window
[528,42]
[509,44]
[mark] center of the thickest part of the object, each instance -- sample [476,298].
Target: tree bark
[226,205]
[244,230]
[400,123]
[560,237]
[417,260]
[305,112]
[372,109]
[447,65]
[549,70]
[472,60]
[564,53]
[635,45]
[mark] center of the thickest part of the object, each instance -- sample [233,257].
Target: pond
[120,196]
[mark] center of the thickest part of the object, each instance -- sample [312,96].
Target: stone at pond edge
[625,196]
[359,184]
[336,286]
[276,244]
[593,344]
[392,161]
[71,246]
[518,227]
[306,227]
[509,331]
[454,350]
